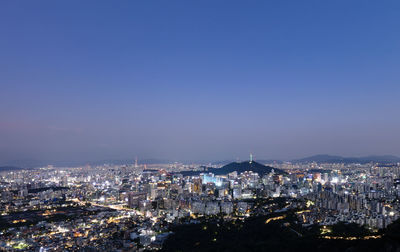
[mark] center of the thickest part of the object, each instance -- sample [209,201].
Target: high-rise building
[134,198]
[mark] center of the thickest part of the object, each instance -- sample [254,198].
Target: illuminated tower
[251,158]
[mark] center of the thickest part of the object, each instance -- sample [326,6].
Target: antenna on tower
[136,164]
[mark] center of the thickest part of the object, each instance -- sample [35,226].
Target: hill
[238,167]
[340,159]
[9,168]
[254,234]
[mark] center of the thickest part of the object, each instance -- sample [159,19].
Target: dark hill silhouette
[238,167]
[9,168]
[253,234]
[339,159]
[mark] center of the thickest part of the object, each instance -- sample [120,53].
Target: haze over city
[206,80]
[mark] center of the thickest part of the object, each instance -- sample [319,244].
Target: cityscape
[206,126]
[137,206]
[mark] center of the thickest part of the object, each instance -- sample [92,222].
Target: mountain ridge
[10,168]
[238,167]
[325,158]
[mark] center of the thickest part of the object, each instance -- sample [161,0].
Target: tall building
[134,198]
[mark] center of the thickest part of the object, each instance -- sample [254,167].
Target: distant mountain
[238,167]
[261,161]
[339,159]
[10,168]
[320,159]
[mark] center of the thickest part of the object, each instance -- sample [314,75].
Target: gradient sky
[94,80]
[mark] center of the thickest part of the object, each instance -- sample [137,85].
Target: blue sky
[90,80]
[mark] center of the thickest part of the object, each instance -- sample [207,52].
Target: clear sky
[93,80]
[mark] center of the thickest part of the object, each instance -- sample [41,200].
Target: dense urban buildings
[136,207]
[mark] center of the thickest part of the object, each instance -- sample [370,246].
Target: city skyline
[199,125]
[87,81]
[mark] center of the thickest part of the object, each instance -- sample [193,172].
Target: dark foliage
[282,235]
